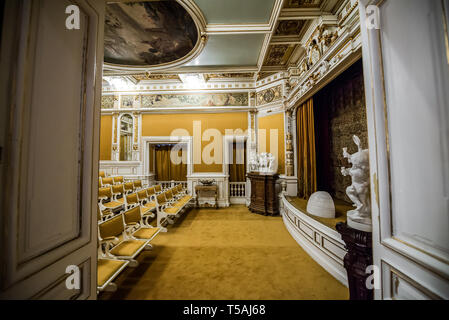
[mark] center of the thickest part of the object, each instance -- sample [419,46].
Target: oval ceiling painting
[148,33]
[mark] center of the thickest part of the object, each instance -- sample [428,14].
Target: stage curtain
[306,150]
[237,171]
[166,170]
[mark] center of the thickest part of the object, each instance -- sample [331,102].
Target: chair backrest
[129,186]
[118,189]
[101,174]
[132,198]
[104,192]
[151,191]
[179,187]
[161,199]
[99,183]
[137,183]
[142,194]
[158,188]
[168,195]
[112,227]
[107,181]
[118,179]
[132,215]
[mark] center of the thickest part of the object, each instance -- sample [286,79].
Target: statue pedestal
[358,258]
[361,224]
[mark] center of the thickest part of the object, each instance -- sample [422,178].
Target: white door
[49,105]
[406,68]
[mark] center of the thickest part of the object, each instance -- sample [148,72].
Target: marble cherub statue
[254,162]
[359,190]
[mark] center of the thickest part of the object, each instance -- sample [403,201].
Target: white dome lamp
[320,204]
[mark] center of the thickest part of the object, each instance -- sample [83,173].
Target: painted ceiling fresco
[147,33]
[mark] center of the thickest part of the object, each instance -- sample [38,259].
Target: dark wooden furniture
[207,190]
[264,197]
[359,256]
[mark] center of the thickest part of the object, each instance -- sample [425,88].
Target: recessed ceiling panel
[236,11]
[230,50]
[147,33]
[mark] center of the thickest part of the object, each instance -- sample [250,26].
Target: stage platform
[341,207]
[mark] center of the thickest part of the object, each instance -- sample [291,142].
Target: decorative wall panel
[195,100]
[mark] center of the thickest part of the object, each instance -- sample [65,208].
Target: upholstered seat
[172,210]
[105,194]
[109,232]
[133,218]
[128,248]
[112,204]
[146,210]
[146,233]
[107,270]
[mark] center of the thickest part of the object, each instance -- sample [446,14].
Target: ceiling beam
[292,39]
[301,13]
[237,28]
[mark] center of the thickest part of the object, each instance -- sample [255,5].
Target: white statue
[253,162]
[263,163]
[358,191]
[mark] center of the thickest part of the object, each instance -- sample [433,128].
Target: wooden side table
[207,190]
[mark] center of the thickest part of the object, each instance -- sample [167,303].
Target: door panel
[51,150]
[406,81]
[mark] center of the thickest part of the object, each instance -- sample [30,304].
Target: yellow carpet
[227,253]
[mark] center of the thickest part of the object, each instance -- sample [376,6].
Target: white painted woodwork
[406,80]
[51,154]
[322,243]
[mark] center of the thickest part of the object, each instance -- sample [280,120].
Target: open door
[50,107]
[406,67]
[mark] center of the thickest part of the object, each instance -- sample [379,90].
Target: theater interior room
[224,149]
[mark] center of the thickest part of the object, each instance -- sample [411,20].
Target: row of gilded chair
[167,203]
[112,181]
[121,238]
[115,197]
[139,207]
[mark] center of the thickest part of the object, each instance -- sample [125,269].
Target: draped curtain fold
[237,169]
[167,170]
[307,180]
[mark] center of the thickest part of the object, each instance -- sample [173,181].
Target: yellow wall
[105,137]
[164,124]
[275,121]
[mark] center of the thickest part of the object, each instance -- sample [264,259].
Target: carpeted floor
[229,253]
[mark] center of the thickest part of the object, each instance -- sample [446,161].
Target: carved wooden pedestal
[264,198]
[359,256]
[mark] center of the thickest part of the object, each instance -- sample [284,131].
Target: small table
[207,189]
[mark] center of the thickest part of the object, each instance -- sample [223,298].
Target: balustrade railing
[237,189]
[172,183]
